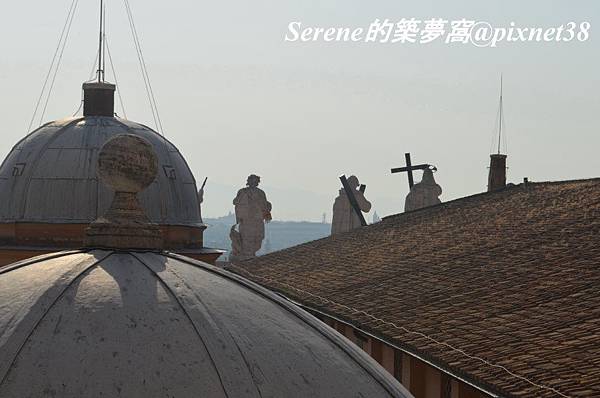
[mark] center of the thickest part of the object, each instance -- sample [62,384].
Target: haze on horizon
[237,99]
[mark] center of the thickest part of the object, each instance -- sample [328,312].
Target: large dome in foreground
[94,323]
[110,320]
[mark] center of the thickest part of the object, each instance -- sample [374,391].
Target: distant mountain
[279,234]
[288,204]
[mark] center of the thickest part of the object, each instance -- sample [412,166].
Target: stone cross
[410,168]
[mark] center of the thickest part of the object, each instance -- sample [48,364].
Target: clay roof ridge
[509,187]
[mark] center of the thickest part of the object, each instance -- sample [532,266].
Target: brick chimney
[497,176]
[99,99]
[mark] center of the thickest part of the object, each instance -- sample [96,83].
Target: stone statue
[252,210]
[201,195]
[423,194]
[236,242]
[344,216]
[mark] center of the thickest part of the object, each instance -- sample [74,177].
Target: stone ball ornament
[127,163]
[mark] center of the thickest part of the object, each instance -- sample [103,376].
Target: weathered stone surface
[344,216]
[252,210]
[106,323]
[128,165]
[423,194]
[51,176]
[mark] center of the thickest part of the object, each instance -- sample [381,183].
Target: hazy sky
[237,99]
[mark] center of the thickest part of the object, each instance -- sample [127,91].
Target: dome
[49,189]
[50,176]
[147,324]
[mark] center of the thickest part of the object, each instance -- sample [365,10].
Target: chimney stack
[99,99]
[497,176]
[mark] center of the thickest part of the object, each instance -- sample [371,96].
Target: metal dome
[106,323]
[50,176]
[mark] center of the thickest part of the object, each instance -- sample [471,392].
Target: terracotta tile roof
[502,289]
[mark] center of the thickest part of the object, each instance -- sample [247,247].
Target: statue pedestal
[234,258]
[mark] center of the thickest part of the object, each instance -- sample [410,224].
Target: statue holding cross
[423,194]
[349,206]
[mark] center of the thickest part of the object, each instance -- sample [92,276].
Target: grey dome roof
[105,323]
[50,176]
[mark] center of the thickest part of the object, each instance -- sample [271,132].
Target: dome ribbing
[105,323]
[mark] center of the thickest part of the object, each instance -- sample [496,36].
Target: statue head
[253,181]
[353,182]
[428,177]
[430,181]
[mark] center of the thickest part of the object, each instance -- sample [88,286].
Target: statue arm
[240,204]
[363,203]
[238,198]
[265,206]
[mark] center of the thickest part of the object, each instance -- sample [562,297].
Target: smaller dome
[50,176]
[50,191]
[94,323]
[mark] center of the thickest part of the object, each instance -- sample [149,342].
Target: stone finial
[127,164]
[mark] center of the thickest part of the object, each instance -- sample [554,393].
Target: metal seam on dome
[250,379]
[184,162]
[168,152]
[9,364]
[35,163]
[302,315]
[163,201]
[176,298]
[178,204]
[16,146]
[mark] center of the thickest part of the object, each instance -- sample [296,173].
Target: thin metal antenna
[501,116]
[100,44]
[104,45]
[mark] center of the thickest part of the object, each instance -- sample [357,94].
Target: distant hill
[288,204]
[279,234]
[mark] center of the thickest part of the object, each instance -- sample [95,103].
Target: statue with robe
[423,194]
[252,210]
[344,216]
